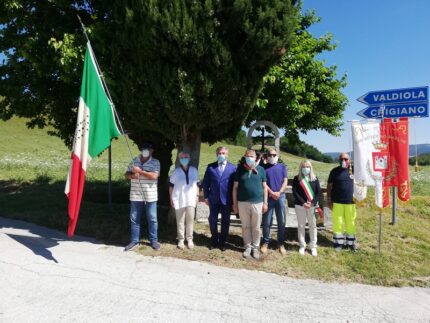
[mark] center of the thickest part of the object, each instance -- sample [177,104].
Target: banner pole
[380,232]
[394,202]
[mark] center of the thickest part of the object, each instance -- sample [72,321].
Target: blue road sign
[395,96]
[396,110]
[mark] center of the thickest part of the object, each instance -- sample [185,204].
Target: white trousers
[185,223]
[250,217]
[304,215]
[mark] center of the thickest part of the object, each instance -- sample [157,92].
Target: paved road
[45,277]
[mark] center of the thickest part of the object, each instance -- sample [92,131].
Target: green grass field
[33,168]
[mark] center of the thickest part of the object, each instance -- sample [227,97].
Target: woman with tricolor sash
[306,189]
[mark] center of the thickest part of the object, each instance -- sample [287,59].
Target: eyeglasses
[272,155]
[344,159]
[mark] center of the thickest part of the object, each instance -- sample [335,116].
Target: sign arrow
[395,96]
[396,111]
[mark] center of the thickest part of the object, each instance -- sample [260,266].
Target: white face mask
[273,160]
[306,171]
[145,153]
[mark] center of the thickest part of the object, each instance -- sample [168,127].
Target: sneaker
[131,246]
[302,251]
[181,245]
[155,245]
[190,244]
[314,252]
[338,249]
[264,248]
[282,250]
[256,254]
[247,253]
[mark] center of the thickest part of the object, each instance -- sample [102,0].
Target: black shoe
[353,248]
[222,247]
[131,246]
[213,246]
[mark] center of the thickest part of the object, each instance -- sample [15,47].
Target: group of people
[254,189]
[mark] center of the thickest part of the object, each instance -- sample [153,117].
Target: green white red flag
[304,183]
[95,129]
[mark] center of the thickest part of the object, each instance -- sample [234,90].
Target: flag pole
[112,105]
[106,87]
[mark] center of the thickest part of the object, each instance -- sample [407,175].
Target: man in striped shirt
[143,174]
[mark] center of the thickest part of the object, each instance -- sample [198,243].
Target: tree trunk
[191,142]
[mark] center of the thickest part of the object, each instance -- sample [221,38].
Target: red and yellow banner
[396,136]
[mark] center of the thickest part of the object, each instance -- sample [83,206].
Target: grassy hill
[43,154]
[33,168]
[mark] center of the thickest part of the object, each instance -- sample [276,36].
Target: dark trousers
[214,210]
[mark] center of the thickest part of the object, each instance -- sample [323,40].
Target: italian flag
[307,188]
[95,129]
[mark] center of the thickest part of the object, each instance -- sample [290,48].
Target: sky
[382,45]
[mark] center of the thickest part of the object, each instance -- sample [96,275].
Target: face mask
[273,160]
[184,161]
[344,163]
[306,171]
[221,158]
[145,153]
[250,161]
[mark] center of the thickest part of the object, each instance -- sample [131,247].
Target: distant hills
[421,149]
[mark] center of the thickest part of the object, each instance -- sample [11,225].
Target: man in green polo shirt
[250,199]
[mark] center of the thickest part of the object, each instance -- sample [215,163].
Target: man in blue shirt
[277,181]
[340,188]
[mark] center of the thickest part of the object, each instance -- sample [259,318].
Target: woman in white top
[184,193]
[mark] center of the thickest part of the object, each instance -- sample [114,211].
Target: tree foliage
[301,93]
[239,140]
[186,71]
[423,160]
[199,65]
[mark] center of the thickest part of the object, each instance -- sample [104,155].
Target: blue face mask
[221,158]
[250,161]
[184,161]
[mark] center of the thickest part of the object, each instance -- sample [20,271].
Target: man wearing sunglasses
[340,189]
[277,181]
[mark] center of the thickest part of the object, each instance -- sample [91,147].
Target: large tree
[301,93]
[197,66]
[180,71]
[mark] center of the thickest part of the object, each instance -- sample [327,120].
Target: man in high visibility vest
[340,189]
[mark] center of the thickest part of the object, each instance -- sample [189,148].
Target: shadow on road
[40,239]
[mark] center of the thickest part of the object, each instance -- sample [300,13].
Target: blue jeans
[279,207]
[136,209]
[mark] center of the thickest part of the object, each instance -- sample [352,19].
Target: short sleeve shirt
[144,189]
[185,191]
[250,188]
[275,175]
[343,185]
